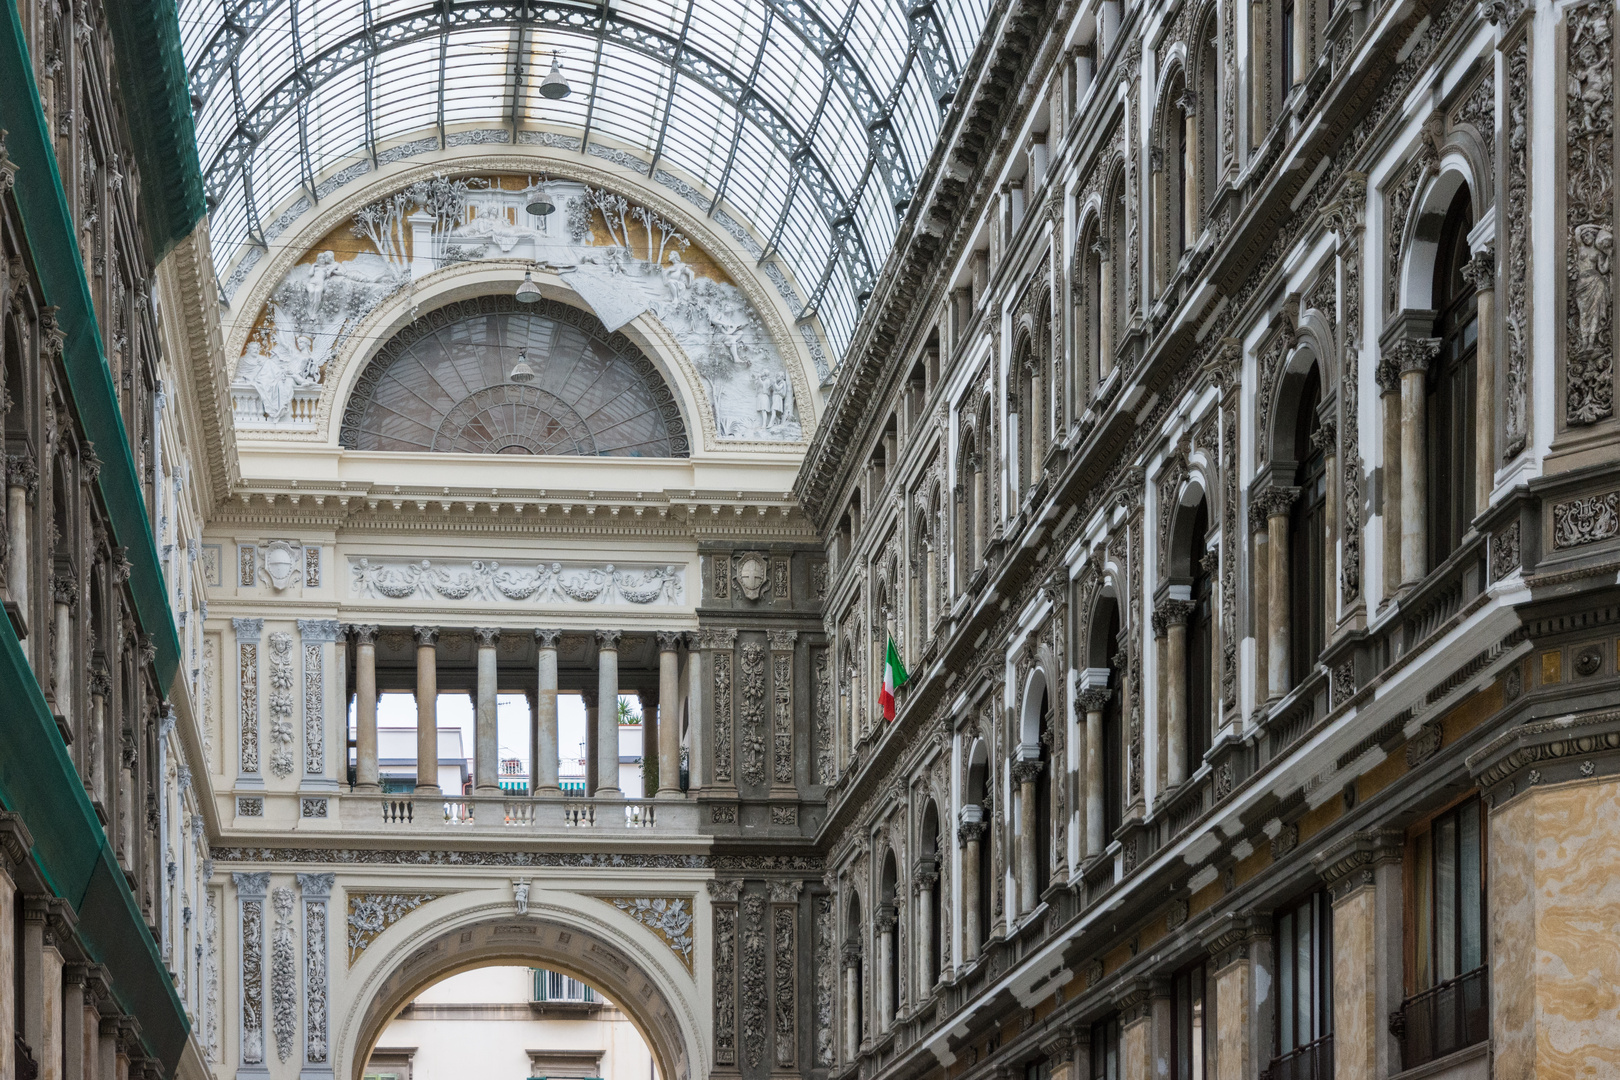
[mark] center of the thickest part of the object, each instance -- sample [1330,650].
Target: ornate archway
[548,936]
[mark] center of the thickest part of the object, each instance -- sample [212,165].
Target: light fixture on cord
[541,204]
[521,371]
[527,291]
[554,85]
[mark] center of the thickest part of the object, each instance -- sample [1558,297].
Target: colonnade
[601,714]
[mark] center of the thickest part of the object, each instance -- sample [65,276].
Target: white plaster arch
[592,942]
[1423,227]
[301,235]
[1029,709]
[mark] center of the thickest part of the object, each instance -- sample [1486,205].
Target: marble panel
[1232,1021]
[1555,956]
[1355,1007]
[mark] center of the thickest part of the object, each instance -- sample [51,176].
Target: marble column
[1276,502]
[64,597]
[607,714]
[427,711]
[1175,611]
[107,1049]
[30,982]
[1136,1055]
[887,918]
[592,749]
[95,765]
[1301,43]
[22,480]
[970,834]
[1326,440]
[852,999]
[1025,772]
[925,879]
[8,948]
[543,751]
[1094,819]
[1480,272]
[669,716]
[75,1039]
[486,742]
[366,776]
[1414,355]
[1230,986]
[1260,581]
[1388,376]
[648,700]
[49,1048]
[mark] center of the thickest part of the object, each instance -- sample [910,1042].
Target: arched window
[1206,107]
[1449,413]
[451,382]
[1118,280]
[855,978]
[978,794]
[1307,538]
[1090,360]
[922,559]
[1200,647]
[1025,411]
[1172,170]
[967,505]
[889,984]
[933,948]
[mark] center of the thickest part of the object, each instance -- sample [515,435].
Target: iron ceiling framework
[812,125]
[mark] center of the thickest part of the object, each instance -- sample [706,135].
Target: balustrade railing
[1443,1019]
[416,814]
[1313,1061]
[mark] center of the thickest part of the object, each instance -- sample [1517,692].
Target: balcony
[1313,1061]
[494,816]
[1444,1019]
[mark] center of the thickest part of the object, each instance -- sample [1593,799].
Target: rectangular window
[1105,1049]
[1446,963]
[1190,1030]
[1304,937]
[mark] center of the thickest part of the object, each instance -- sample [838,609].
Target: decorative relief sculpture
[1505,556]
[283,973]
[1587,520]
[725,974]
[782,706]
[752,990]
[722,716]
[316,890]
[250,890]
[623,260]
[751,569]
[668,917]
[784,926]
[210,974]
[488,581]
[370,913]
[826,974]
[752,725]
[281,703]
[1589,213]
[824,720]
[247,704]
[314,709]
[280,565]
[1516,274]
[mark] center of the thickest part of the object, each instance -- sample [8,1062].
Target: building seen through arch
[952,540]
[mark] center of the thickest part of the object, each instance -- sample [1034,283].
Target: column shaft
[1024,774]
[1176,678]
[669,718]
[1277,603]
[73,1026]
[607,715]
[886,987]
[592,749]
[427,712]
[1260,577]
[1390,507]
[543,749]
[64,589]
[972,932]
[366,776]
[17,561]
[852,1007]
[1096,814]
[1414,475]
[486,743]
[1485,382]
[925,939]
[8,972]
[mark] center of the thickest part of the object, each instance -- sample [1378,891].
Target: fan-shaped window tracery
[445,384]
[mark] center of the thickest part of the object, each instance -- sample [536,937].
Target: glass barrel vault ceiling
[812,120]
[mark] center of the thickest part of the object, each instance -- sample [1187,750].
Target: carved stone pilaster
[251,890]
[316,891]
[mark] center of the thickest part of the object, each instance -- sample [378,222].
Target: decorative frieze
[1589,213]
[486,581]
[1505,551]
[668,917]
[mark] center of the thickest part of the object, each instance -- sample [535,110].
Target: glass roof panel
[784,114]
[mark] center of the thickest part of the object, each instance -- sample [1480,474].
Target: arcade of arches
[1070,539]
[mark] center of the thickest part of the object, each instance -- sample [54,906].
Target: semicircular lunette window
[446,384]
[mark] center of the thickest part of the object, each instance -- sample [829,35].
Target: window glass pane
[1302,976]
[1468,871]
[1445,898]
[1423,912]
[1285,969]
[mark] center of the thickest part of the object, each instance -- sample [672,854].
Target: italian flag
[894,677]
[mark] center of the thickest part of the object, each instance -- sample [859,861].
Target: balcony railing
[411,813]
[1313,1061]
[1444,1019]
